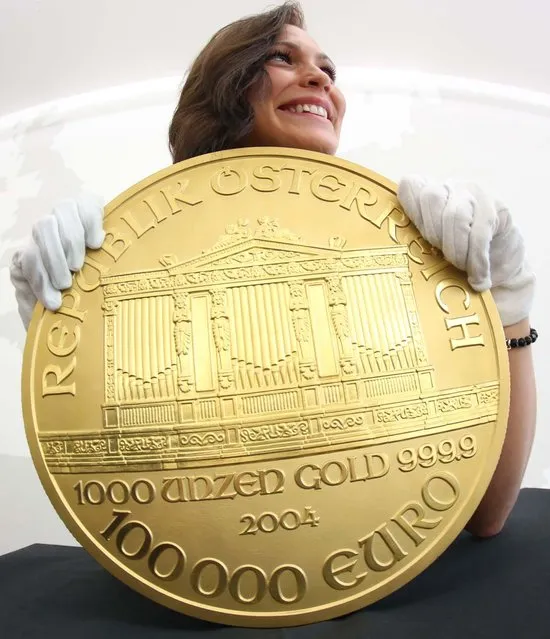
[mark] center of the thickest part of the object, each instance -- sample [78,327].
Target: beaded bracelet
[522,341]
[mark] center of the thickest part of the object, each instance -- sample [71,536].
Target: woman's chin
[319,144]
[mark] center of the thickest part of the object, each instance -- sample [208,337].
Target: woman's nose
[316,77]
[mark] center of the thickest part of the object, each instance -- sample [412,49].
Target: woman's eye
[280,55]
[330,71]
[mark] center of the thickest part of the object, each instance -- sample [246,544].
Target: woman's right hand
[42,269]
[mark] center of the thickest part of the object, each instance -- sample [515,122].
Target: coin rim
[261,619]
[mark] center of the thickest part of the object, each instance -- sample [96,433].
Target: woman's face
[303,108]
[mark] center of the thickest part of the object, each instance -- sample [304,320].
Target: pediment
[251,252]
[267,245]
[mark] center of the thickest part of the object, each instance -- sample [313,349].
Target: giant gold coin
[266,400]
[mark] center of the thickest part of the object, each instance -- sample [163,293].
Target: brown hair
[213,112]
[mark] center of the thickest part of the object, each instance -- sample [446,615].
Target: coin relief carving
[266,399]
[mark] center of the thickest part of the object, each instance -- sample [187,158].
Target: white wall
[396,124]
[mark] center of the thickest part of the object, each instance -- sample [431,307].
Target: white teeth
[308,108]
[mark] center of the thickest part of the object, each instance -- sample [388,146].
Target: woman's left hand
[477,235]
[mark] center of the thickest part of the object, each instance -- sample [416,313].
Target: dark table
[478,589]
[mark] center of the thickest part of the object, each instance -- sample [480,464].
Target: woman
[263,81]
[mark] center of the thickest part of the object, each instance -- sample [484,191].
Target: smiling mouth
[308,110]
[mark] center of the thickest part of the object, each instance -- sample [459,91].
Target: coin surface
[266,400]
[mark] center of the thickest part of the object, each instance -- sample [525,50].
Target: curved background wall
[397,122]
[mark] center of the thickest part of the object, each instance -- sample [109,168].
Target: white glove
[477,235]
[42,269]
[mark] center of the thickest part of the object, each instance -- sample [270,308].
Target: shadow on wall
[39,178]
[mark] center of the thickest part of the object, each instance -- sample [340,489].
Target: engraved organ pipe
[131,351]
[237,336]
[172,369]
[119,392]
[363,319]
[259,359]
[379,315]
[404,328]
[370,345]
[406,335]
[274,353]
[160,329]
[247,355]
[145,365]
[386,310]
[371,330]
[170,365]
[394,311]
[358,336]
[261,343]
[267,356]
[155,339]
[136,345]
[278,332]
[380,312]
[243,349]
[234,337]
[369,319]
[123,351]
[291,346]
[155,328]
[147,335]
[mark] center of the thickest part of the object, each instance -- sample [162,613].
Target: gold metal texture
[266,400]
